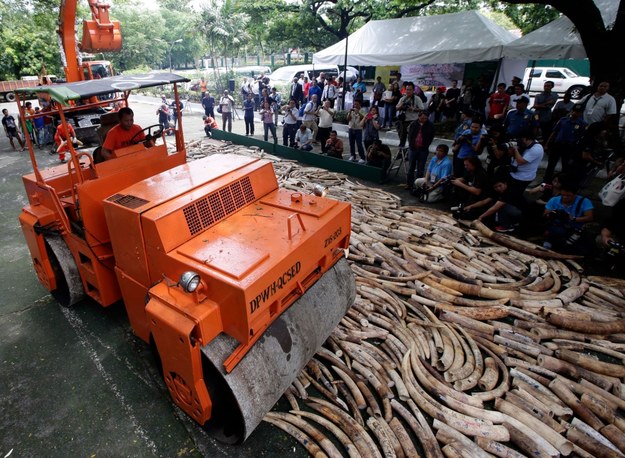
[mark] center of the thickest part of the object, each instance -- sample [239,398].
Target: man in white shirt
[326,115]
[289,128]
[303,139]
[310,116]
[599,106]
[525,161]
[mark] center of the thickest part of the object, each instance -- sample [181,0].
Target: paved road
[76,382]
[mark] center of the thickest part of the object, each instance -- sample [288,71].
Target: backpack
[300,113]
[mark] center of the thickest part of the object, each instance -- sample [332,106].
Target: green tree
[527,17]
[143,39]
[600,41]
[25,31]
[224,28]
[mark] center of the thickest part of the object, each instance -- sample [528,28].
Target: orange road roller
[234,282]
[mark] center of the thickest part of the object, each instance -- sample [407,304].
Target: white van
[283,76]
[563,79]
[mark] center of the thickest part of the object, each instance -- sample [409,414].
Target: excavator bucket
[101,37]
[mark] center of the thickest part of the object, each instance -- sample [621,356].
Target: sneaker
[503,229]
[361,161]
[352,159]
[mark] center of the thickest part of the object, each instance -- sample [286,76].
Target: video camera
[422,192]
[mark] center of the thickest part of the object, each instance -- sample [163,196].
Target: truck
[7,88]
[564,79]
[233,282]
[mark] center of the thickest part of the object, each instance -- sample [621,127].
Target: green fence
[353,169]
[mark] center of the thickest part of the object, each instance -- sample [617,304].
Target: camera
[510,145]
[560,215]
[573,238]
[459,208]
[615,248]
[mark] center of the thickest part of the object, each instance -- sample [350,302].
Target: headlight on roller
[189,281]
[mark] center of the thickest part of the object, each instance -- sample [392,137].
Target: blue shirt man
[314,89]
[570,129]
[439,167]
[519,119]
[469,141]
[465,123]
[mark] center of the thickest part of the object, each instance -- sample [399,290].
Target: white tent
[444,39]
[558,39]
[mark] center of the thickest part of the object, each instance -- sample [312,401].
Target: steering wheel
[157,133]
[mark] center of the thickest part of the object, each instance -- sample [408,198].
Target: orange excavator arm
[100,34]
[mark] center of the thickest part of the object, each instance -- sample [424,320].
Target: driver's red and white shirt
[119,138]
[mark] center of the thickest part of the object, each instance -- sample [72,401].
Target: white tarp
[444,39]
[558,39]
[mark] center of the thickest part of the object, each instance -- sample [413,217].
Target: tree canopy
[232,27]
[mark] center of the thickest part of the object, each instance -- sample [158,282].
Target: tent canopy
[444,39]
[558,39]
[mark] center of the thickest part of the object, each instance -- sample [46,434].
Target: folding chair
[400,159]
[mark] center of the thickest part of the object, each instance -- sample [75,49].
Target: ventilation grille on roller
[127,200]
[217,205]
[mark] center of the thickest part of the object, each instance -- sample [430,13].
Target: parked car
[563,78]
[282,76]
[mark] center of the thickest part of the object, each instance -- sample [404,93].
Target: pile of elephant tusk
[461,343]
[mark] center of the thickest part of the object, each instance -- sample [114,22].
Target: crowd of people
[496,154]
[499,144]
[489,174]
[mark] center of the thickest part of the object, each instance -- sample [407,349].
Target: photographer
[370,125]
[334,146]
[436,177]
[326,115]
[470,144]
[379,155]
[502,210]
[526,158]
[566,216]
[289,124]
[408,107]
[310,116]
[354,118]
[471,187]
[611,240]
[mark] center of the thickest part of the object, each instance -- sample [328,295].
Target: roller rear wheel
[69,290]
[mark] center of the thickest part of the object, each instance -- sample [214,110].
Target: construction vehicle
[232,281]
[99,34]
[7,88]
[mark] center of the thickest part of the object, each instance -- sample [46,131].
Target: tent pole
[344,74]
[497,73]
[529,78]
